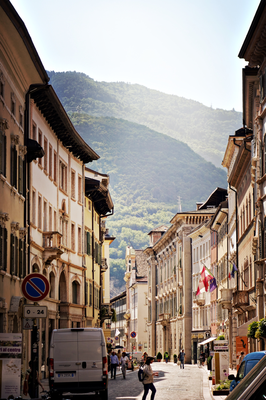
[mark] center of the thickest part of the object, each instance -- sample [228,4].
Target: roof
[162,228]
[215,198]
[55,114]
[118,297]
[24,34]
[253,48]
[141,263]
[99,195]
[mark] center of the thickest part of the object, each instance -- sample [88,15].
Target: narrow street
[172,383]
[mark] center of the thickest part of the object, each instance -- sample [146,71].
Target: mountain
[149,171]
[204,129]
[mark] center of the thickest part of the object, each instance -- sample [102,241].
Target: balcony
[226,298]
[199,299]
[104,265]
[241,299]
[106,311]
[164,319]
[52,246]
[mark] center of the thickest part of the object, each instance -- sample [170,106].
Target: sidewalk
[208,386]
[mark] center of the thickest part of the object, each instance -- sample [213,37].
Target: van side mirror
[231,377]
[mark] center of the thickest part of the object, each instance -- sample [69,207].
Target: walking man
[182,356]
[114,364]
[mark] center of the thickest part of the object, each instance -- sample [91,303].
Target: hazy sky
[184,47]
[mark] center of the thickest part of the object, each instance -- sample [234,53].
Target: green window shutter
[20,176]
[85,242]
[86,293]
[20,274]
[88,243]
[12,254]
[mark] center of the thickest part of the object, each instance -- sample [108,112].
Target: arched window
[62,288]
[75,292]
[52,285]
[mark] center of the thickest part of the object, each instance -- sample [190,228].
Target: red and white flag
[205,277]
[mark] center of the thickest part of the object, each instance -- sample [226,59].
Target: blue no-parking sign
[35,287]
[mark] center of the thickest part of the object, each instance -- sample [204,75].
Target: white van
[78,362]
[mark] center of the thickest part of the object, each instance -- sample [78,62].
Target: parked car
[249,361]
[253,386]
[78,362]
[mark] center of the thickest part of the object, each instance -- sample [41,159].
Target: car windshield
[239,389]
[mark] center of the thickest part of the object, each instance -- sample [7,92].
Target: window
[45,158]
[55,221]
[50,218]
[2,153]
[13,254]
[72,236]
[33,204]
[73,184]
[45,216]
[13,104]
[50,161]
[20,116]
[79,241]
[3,248]
[40,143]
[90,296]
[62,176]
[14,162]
[22,259]
[20,175]
[40,212]
[75,292]
[87,243]
[34,130]
[55,166]
[80,189]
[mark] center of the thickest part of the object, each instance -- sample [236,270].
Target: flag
[117,332]
[213,284]
[205,277]
[234,269]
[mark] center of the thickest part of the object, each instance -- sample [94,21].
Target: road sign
[27,323]
[35,287]
[133,334]
[31,311]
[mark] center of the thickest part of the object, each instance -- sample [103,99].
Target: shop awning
[210,339]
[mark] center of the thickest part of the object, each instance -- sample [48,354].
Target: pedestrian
[242,355]
[29,383]
[114,364]
[123,363]
[148,378]
[182,356]
[144,356]
[109,360]
[119,355]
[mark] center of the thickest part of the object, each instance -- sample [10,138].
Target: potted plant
[159,356]
[252,328]
[261,330]
[175,358]
[222,389]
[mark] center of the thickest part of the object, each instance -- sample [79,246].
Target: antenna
[179,206]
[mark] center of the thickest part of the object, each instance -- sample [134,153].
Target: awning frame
[211,339]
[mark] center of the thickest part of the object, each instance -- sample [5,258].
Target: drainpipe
[26,170]
[234,190]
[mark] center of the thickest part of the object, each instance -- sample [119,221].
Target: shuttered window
[2,153]
[3,248]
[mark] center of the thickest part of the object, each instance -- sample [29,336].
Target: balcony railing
[226,298]
[164,318]
[199,299]
[240,299]
[52,246]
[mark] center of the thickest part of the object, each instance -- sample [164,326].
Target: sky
[187,48]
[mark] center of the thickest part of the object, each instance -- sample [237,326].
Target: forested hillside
[135,131]
[204,129]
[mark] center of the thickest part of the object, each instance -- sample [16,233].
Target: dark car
[249,361]
[253,386]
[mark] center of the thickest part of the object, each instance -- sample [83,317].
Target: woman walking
[123,362]
[148,378]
